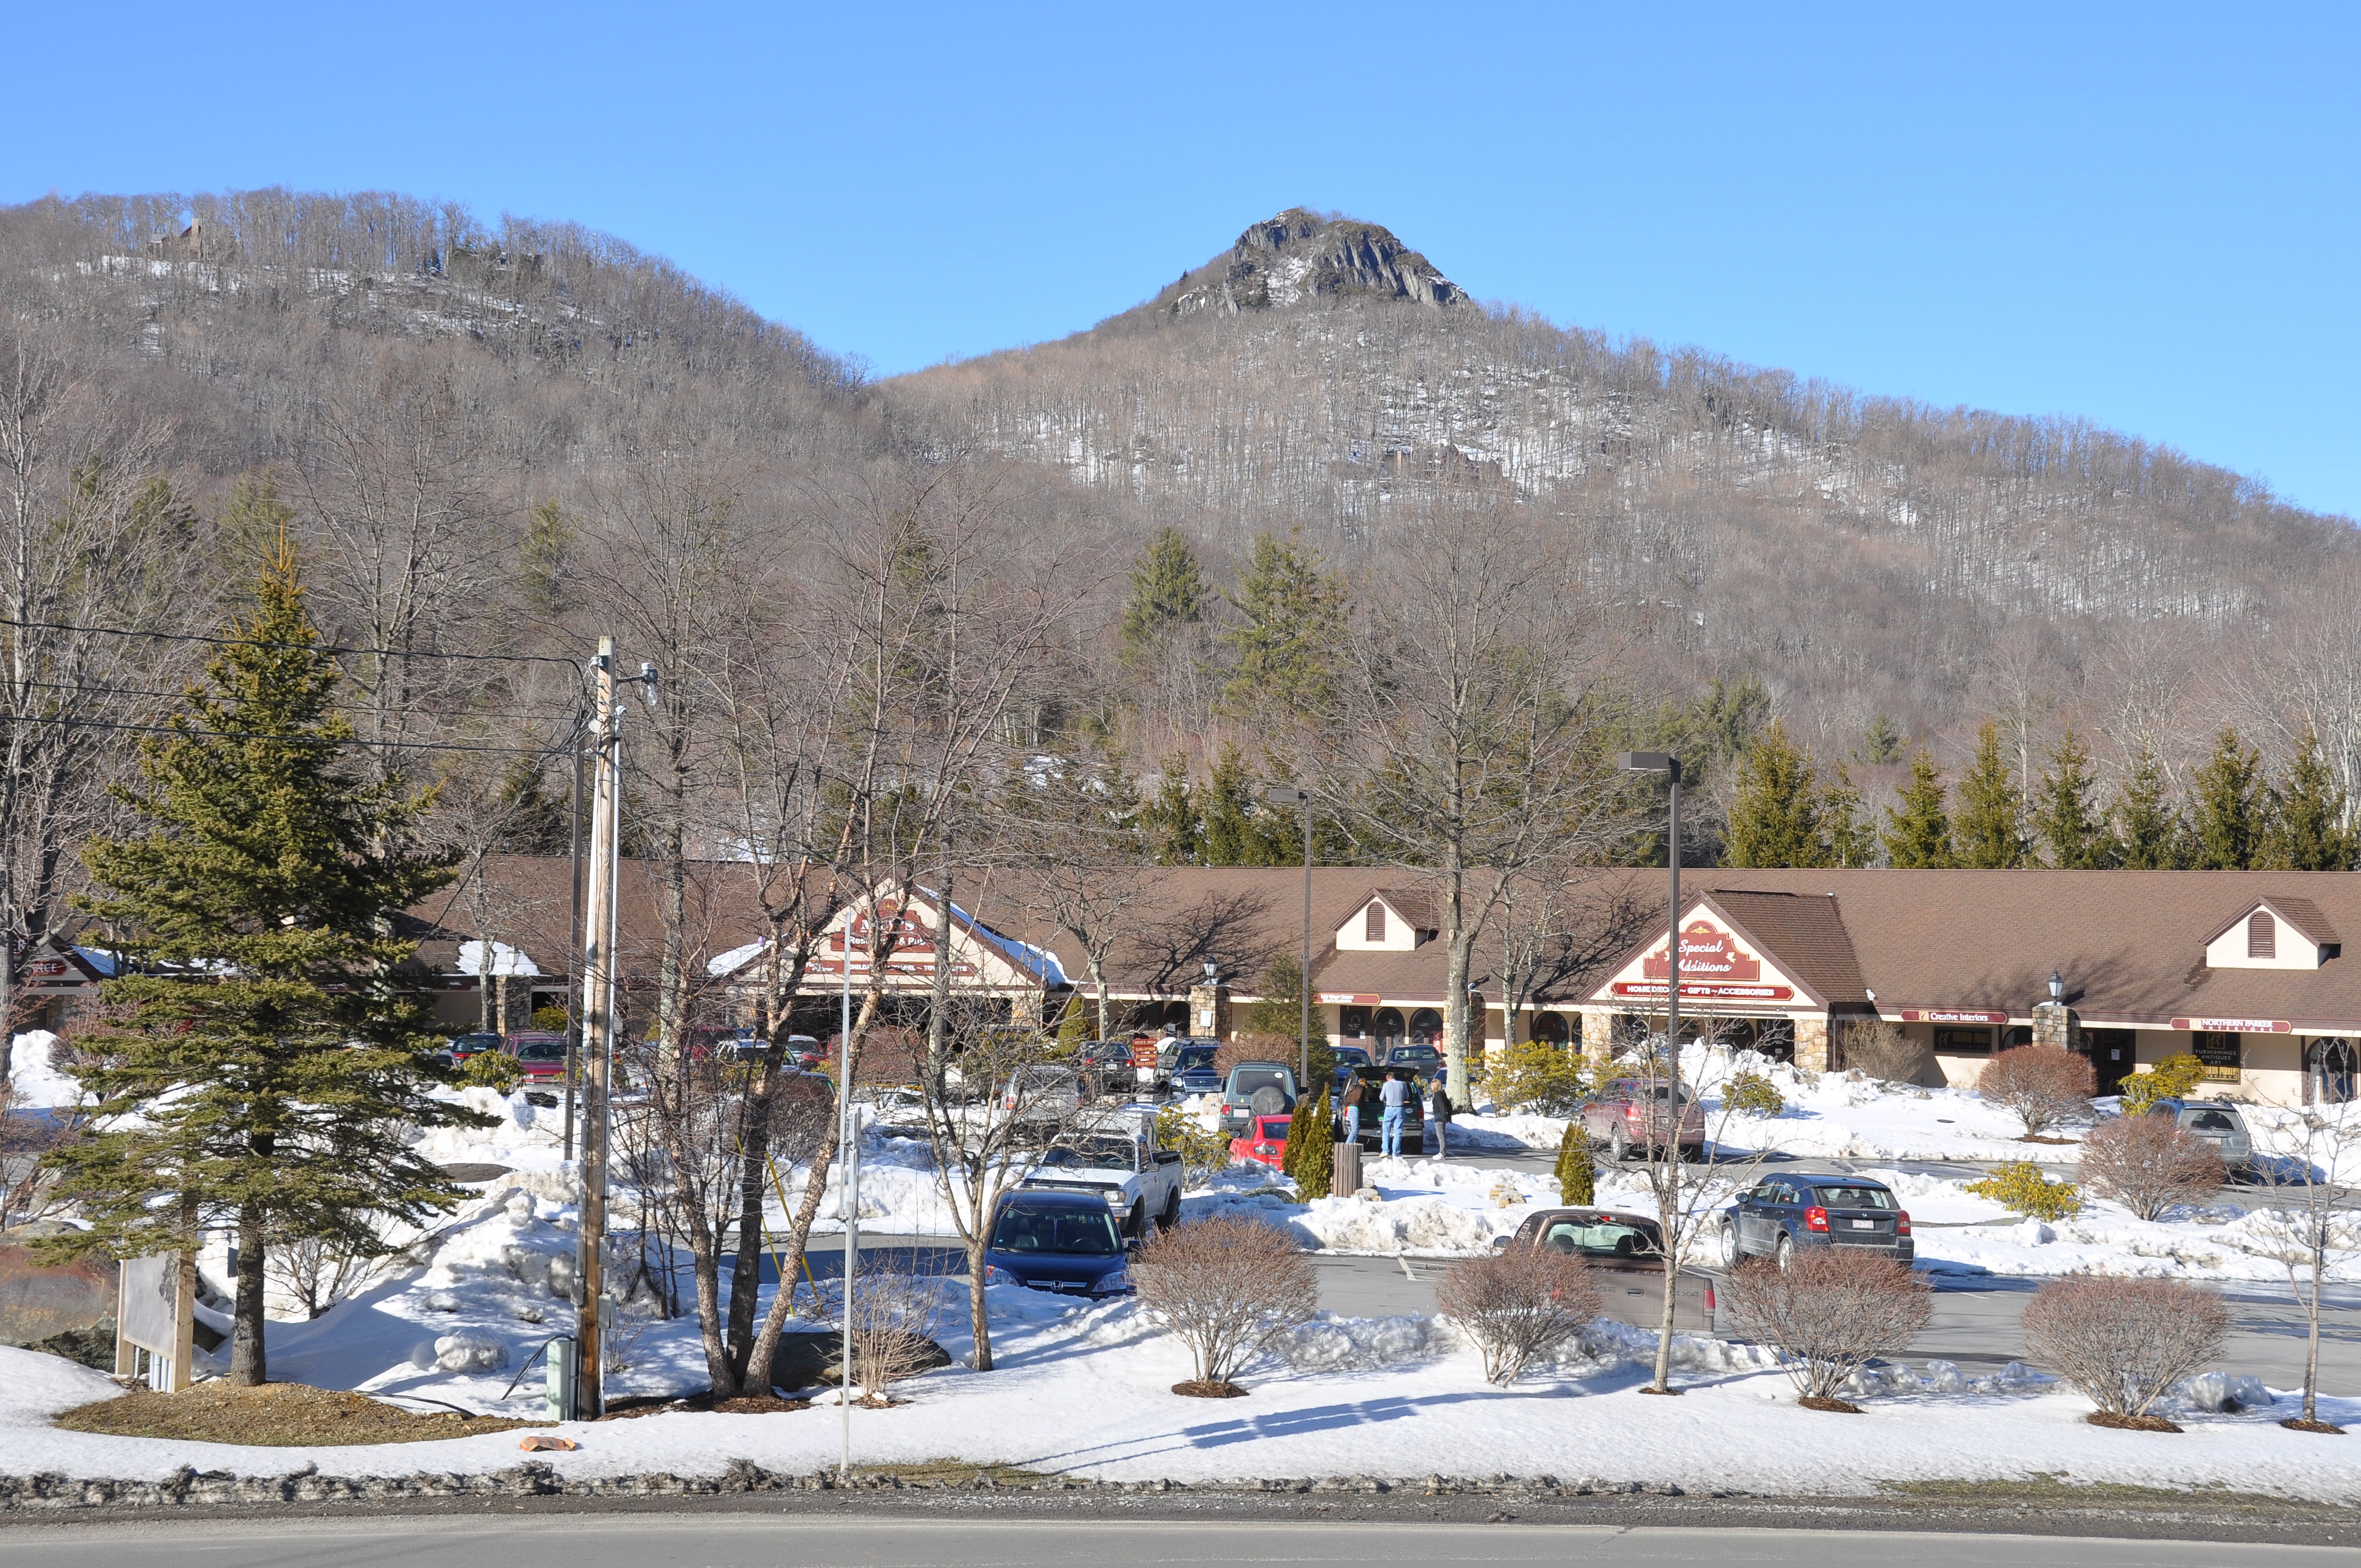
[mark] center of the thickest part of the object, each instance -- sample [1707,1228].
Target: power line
[306,739]
[333,708]
[573,665]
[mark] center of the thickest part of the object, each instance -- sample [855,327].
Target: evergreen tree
[1294,615]
[2230,811]
[1851,841]
[1169,821]
[1775,819]
[1990,830]
[1882,743]
[1167,590]
[2152,836]
[1237,832]
[2307,832]
[1578,1176]
[265,1057]
[1309,1156]
[2067,816]
[1280,1011]
[1918,834]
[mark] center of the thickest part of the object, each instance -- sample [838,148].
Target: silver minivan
[2219,1123]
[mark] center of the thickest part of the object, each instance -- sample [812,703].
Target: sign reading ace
[1708,953]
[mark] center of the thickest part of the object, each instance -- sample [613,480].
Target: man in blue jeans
[1393,1095]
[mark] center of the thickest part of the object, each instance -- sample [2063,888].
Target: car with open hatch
[1062,1242]
[1373,1079]
[1781,1215]
[1626,1253]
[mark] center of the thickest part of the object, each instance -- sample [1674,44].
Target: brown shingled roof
[1801,933]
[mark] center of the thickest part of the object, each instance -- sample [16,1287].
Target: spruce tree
[1170,820]
[1293,614]
[1167,590]
[2229,814]
[1851,840]
[2151,835]
[2071,826]
[264,1055]
[1578,1176]
[1775,818]
[1918,832]
[1881,741]
[2307,832]
[1989,831]
[1235,833]
[1310,1155]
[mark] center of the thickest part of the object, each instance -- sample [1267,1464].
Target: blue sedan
[1784,1214]
[1065,1242]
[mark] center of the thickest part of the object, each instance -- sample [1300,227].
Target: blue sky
[2142,214]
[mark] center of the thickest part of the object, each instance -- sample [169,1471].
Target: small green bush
[549,1020]
[2021,1188]
[1310,1155]
[491,1069]
[2167,1080]
[1535,1076]
[1202,1153]
[1577,1177]
[1752,1094]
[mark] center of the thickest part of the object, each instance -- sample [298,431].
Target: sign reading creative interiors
[2236,1025]
[1952,1015]
[1713,967]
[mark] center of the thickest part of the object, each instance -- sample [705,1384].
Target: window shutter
[2262,936]
[1374,928]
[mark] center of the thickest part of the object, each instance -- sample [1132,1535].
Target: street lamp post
[1304,1044]
[1669,764]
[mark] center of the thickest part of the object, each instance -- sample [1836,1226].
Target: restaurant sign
[2236,1025]
[1350,998]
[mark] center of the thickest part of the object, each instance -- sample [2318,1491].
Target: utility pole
[847,1141]
[1304,1044]
[598,1013]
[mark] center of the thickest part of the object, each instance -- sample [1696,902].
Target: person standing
[1393,1097]
[1357,1094]
[1438,1115]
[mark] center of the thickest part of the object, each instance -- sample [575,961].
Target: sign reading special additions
[2236,1025]
[1710,955]
[1349,998]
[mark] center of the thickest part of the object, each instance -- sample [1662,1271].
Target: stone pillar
[1812,1044]
[2054,1023]
[1208,1012]
[1597,1037]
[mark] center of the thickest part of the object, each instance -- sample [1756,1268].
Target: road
[754,1541]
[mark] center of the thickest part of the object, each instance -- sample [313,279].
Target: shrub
[1250,1045]
[1226,1286]
[893,1323]
[2124,1342]
[2020,1188]
[1752,1094]
[2039,1085]
[1881,1051]
[1202,1153]
[1533,1074]
[1827,1312]
[491,1069]
[1577,1177]
[1310,1155]
[2149,1163]
[2167,1080]
[549,1020]
[1518,1305]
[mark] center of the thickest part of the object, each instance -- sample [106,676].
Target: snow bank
[1332,1343]
[34,1081]
[35,1385]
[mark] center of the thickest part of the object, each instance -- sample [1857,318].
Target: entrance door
[2111,1057]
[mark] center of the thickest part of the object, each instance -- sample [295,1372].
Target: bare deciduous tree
[2039,1085]
[2308,1232]
[2149,1163]
[1226,1288]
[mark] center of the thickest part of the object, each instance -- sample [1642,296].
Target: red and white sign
[1350,998]
[1708,953]
[2236,1025]
[911,951]
[1952,1015]
[1707,993]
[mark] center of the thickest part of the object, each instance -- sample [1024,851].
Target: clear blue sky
[2144,214]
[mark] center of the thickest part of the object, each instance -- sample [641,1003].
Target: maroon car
[538,1056]
[1629,1113]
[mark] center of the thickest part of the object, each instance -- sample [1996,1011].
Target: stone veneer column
[1812,1044]
[1597,1037]
[2054,1023]
[1208,1012]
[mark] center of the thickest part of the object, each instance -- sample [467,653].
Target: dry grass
[273,1415]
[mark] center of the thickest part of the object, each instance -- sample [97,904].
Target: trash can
[1346,1180]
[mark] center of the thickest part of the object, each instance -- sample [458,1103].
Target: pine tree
[1170,820]
[1990,829]
[1309,1156]
[1851,841]
[2231,810]
[1918,834]
[2152,836]
[1294,614]
[2307,832]
[1577,1176]
[2066,817]
[1881,741]
[1235,833]
[1775,818]
[265,1056]
[1167,590]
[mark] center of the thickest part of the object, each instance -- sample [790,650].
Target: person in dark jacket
[1357,1094]
[1438,1114]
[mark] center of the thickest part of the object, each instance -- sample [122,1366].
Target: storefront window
[2329,1067]
[1425,1027]
[2220,1053]
[1387,1026]
[1963,1042]
[1550,1028]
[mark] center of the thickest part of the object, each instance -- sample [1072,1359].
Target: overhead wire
[574,664]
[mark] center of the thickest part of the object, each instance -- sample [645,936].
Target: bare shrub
[2124,1342]
[1881,1051]
[2149,1163]
[892,1329]
[1226,1286]
[1828,1312]
[1516,1306]
[2039,1085]
[1247,1045]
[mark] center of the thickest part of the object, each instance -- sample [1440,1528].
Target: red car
[1264,1142]
[538,1056]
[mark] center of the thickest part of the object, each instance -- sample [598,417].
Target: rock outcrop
[1300,256]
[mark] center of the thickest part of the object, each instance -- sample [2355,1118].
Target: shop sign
[913,950]
[2236,1025]
[1952,1015]
[1708,952]
[1349,998]
[1641,988]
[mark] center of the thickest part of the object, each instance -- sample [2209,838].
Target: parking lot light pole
[1304,1045]
[1667,764]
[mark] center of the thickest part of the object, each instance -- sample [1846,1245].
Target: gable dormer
[2274,933]
[1390,921]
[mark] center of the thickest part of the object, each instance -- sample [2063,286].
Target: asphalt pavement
[772,1540]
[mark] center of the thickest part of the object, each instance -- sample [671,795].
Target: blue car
[1783,1214]
[1192,1072]
[1065,1242]
[1347,1059]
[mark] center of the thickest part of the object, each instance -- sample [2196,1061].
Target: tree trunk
[1457,941]
[753,1165]
[705,1256]
[979,1319]
[247,1363]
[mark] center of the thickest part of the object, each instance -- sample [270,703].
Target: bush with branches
[2167,1080]
[1827,1313]
[549,1020]
[1516,1306]
[1227,1288]
[1203,1152]
[491,1069]
[2149,1163]
[2039,1085]
[1535,1076]
[1881,1051]
[2021,1188]
[1578,1176]
[894,1317]
[2124,1343]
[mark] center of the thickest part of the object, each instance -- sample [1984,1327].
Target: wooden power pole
[598,1026]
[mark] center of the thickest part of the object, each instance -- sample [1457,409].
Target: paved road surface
[756,1541]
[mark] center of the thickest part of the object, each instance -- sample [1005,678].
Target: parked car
[1192,1070]
[1630,1112]
[1627,1252]
[1046,1092]
[1372,1137]
[1065,1242]
[1415,1057]
[1141,1183]
[1263,1143]
[538,1055]
[2219,1123]
[1255,1088]
[1347,1059]
[459,1048]
[1783,1213]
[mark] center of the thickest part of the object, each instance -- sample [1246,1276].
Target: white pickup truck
[1122,1165]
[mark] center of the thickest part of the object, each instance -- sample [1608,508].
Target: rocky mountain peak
[1299,255]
